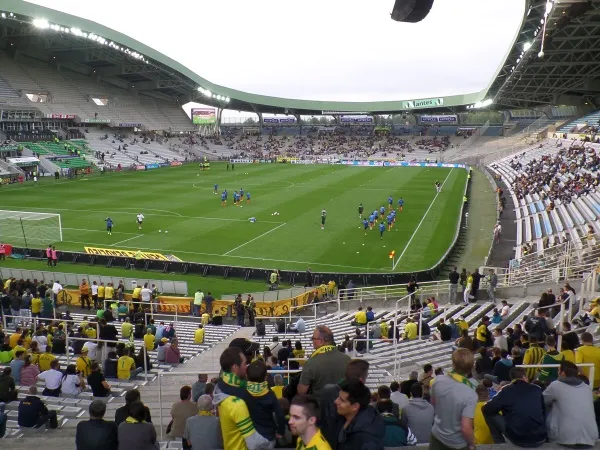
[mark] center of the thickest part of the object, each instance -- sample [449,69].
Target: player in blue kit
[109,225]
[365,225]
[235,197]
[400,204]
[215,188]
[393,214]
[376,215]
[381,230]
[390,221]
[247,198]
[390,202]
[371,221]
[382,212]
[224,198]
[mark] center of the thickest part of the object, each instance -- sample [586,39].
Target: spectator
[72,383]
[465,341]
[331,422]
[299,326]
[482,431]
[444,332]
[149,339]
[53,380]
[588,353]
[396,434]
[284,352]
[397,396]
[533,355]
[570,338]
[236,426]
[33,412]
[523,419]
[483,337]
[97,382]
[278,387]
[502,368]
[427,375]
[360,318]
[549,374]
[110,365]
[181,411]
[500,340]
[454,400]
[260,328]
[135,432]
[406,385]
[419,414]
[97,433]
[492,283]
[505,310]
[384,393]
[122,413]
[126,366]
[453,277]
[298,352]
[8,389]
[326,365]
[411,331]
[370,314]
[16,365]
[262,404]
[203,430]
[83,363]
[304,414]
[537,327]
[173,354]
[199,387]
[3,419]
[29,372]
[571,419]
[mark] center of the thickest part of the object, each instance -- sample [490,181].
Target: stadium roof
[567,74]
[568,70]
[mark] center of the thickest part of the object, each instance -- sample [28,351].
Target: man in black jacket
[523,419]
[363,428]
[33,412]
[536,327]
[330,421]
[453,277]
[96,433]
[122,413]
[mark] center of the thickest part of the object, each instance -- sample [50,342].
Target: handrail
[556,366]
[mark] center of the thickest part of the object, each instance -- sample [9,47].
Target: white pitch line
[126,240]
[420,223]
[97,231]
[252,240]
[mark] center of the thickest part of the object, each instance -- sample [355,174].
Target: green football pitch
[180,200]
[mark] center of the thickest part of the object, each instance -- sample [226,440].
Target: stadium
[429,216]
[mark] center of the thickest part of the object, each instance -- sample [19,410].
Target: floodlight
[227,99]
[207,93]
[3,15]
[40,23]
[526,46]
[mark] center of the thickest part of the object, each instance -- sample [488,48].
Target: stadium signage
[204,116]
[96,121]
[60,116]
[130,125]
[152,166]
[125,253]
[344,113]
[369,163]
[425,103]
[356,120]
[175,163]
[281,120]
[25,161]
[452,118]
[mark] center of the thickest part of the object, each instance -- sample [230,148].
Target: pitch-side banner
[125,253]
[357,120]
[451,118]
[367,163]
[279,120]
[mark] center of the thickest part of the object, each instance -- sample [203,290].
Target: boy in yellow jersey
[109,293]
[199,335]
[126,366]
[101,294]
[36,306]
[83,363]
[136,297]
[304,414]
[236,425]
[587,354]
[45,359]
[149,340]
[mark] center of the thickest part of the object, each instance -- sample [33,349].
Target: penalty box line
[252,240]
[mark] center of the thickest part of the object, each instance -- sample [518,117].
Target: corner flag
[392,253]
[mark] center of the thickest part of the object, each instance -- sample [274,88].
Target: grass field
[181,200]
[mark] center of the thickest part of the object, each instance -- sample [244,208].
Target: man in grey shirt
[419,414]
[492,283]
[454,399]
[203,430]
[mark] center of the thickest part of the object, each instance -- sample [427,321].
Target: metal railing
[556,366]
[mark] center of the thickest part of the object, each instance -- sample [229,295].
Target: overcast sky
[347,50]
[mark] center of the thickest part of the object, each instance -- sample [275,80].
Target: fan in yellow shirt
[588,354]
[125,365]
[36,306]
[482,431]
[199,335]
[45,359]
[304,413]
[14,338]
[149,340]
[126,328]
[83,363]
[360,318]
[410,330]
[109,292]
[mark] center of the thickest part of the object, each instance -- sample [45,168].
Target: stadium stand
[589,122]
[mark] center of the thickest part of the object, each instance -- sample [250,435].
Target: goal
[24,228]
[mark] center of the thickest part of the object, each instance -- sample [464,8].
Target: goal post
[25,228]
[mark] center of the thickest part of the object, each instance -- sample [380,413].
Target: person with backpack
[396,434]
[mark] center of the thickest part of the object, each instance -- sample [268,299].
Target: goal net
[24,228]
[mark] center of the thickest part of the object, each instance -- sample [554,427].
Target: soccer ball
[160,231]
[166,231]
[241,206]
